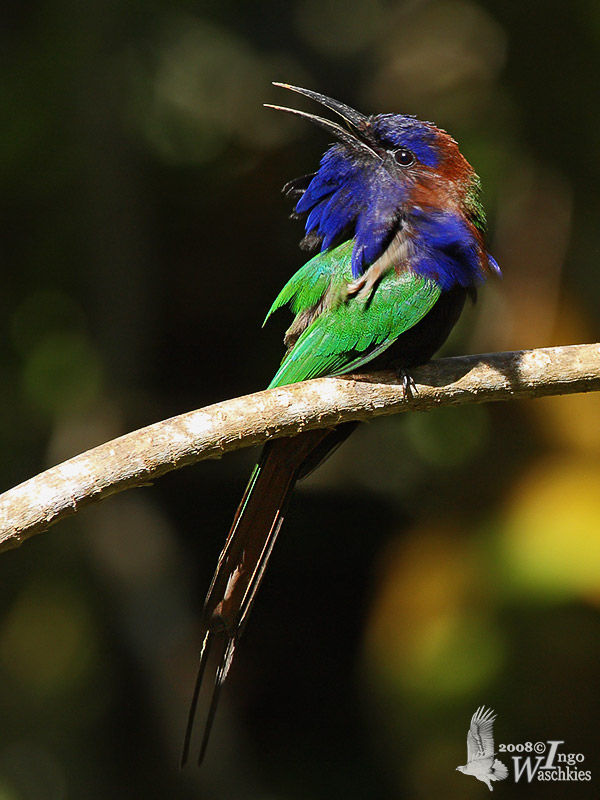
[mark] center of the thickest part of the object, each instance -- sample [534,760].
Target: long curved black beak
[359,122]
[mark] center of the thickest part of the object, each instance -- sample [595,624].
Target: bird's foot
[409,387]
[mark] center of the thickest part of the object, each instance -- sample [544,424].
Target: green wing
[307,286]
[351,330]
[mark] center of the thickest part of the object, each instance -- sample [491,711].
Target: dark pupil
[404,157]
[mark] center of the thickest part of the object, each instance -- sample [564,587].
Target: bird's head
[387,172]
[461,769]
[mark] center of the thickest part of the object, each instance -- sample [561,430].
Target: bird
[394,222]
[481,759]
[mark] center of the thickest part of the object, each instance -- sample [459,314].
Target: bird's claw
[409,387]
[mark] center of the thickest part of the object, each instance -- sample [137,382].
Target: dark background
[439,561]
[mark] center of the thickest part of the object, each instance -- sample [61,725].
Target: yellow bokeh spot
[46,639]
[7,793]
[430,631]
[570,420]
[550,538]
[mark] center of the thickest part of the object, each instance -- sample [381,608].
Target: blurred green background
[438,561]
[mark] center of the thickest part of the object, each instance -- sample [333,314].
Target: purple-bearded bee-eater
[395,216]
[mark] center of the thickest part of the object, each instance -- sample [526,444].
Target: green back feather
[352,330]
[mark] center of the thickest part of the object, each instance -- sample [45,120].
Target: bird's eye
[404,157]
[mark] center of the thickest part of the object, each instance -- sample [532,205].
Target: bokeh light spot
[431,633]
[550,541]
[62,373]
[339,27]
[205,91]
[47,639]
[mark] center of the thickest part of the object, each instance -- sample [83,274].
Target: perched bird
[481,760]
[394,214]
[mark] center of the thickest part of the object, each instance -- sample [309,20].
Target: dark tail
[246,553]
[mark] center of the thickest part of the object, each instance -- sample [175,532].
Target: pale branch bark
[139,457]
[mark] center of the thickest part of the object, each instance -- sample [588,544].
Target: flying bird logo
[481,759]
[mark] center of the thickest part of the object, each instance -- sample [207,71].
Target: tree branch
[139,457]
